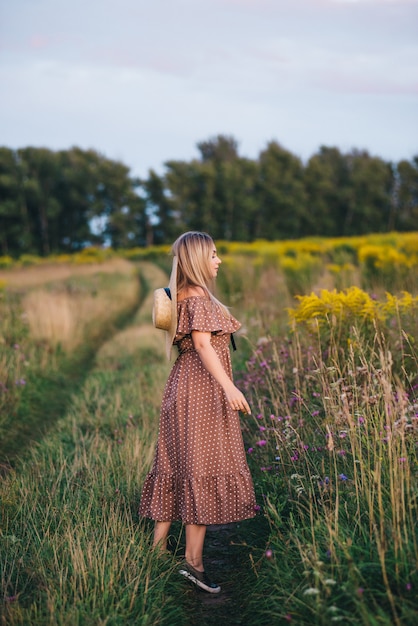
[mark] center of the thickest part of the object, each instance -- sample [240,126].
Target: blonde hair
[194,252]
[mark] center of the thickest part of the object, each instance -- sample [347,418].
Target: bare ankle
[195,562]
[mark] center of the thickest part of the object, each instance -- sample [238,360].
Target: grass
[332,445]
[72,548]
[75,551]
[334,450]
[20,278]
[64,314]
[50,337]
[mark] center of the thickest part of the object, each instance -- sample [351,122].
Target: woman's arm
[210,360]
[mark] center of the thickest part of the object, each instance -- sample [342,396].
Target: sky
[143,81]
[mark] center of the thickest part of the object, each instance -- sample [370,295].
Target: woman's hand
[237,400]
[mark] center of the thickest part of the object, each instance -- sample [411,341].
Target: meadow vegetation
[328,360]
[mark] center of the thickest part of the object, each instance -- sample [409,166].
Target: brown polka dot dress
[200,473]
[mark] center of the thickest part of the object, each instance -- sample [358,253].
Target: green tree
[328,192]
[369,208]
[40,174]
[160,222]
[214,193]
[118,205]
[190,187]
[11,217]
[222,148]
[407,194]
[76,190]
[280,193]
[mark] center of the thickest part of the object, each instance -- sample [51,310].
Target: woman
[200,473]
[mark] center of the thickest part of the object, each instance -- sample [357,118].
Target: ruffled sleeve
[200,313]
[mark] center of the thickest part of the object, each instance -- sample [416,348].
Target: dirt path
[228,559]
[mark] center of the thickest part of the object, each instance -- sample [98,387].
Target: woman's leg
[161,530]
[195,538]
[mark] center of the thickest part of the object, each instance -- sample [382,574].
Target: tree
[281,194]
[220,148]
[214,193]
[12,219]
[41,172]
[407,194]
[63,201]
[372,183]
[328,191]
[161,223]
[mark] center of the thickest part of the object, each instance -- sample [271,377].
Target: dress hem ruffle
[204,500]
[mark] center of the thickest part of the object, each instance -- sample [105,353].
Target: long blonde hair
[194,252]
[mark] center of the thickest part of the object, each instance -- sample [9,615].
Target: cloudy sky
[143,81]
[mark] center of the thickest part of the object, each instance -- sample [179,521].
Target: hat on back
[164,312]
[161,311]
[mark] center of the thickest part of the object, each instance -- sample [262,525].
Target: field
[328,360]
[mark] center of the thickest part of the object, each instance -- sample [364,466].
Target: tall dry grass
[66,315]
[72,548]
[27,277]
[334,451]
[42,329]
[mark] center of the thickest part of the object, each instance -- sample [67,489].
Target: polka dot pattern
[200,473]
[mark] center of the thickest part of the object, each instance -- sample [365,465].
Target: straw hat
[164,312]
[161,311]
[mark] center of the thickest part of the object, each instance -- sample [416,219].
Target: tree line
[61,201]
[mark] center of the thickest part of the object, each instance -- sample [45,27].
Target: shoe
[200,579]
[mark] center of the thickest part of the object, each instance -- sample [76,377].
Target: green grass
[51,375]
[73,548]
[334,453]
[335,540]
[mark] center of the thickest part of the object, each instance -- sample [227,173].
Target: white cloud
[145,81]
